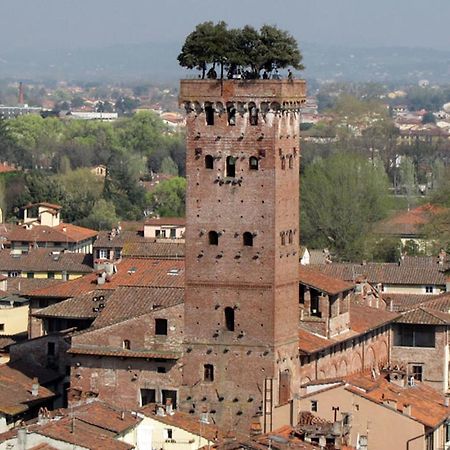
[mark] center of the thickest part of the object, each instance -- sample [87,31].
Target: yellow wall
[15,320]
[368,419]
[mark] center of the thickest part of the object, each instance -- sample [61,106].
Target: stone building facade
[242,243]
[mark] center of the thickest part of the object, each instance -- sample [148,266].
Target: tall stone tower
[242,242]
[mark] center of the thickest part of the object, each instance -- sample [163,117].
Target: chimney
[407,410]
[101,278]
[169,407]
[22,439]
[35,388]
[21,95]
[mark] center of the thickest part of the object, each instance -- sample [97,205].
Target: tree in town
[341,197]
[214,44]
[169,198]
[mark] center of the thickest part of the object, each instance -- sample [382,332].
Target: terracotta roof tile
[404,302]
[186,422]
[424,316]
[324,283]
[427,404]
[386,273]
[84,306]
[175,221]
[63,233]
[409,222]
[80,433]
[42,259]
[128,302]
[130,272]
[364,318]
[123,353]
[134,244]
[22,286]
[15,391]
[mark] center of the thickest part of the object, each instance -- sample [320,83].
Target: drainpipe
[413,439]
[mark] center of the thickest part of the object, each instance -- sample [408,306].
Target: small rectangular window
[429,289]
[51,275]
[417,372]
[161,327]
[148,396]
[313,405]
[2,327]
[161,370]
[30,275]
[208,372]
[51,349]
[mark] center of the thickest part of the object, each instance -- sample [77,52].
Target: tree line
[55,157]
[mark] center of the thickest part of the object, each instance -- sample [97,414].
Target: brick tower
[242,239]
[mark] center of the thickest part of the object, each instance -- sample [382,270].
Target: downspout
[413,439]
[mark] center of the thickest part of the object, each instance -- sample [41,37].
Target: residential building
[94,426]
[20,398]
[44,263]
[142,243]
[408,225]
[381,411]
[414,275]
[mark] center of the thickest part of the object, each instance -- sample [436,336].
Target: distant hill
[157,62]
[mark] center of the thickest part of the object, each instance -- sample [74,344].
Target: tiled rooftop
[63,233]
[386,273]
[134,244]
[95,426]
[427,404]
[409,222]
[362,320]
[15,391]
[130,272]
[43,260]
[324,283]
[186,422]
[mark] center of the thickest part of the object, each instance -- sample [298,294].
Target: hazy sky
[98,23]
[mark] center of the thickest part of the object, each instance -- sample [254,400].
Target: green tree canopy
[210,44]
[341,197]
[169,198]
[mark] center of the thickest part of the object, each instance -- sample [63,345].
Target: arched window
[126,344]
[291,162]
[231,166]
[283,238]
[253,163]
[213,237]
[248,239]
[229,318]
[291,238]
[209,162]
[208,372]
[253,114]
[209,113]
[283,162]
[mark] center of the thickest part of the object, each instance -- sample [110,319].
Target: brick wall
[259,282]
